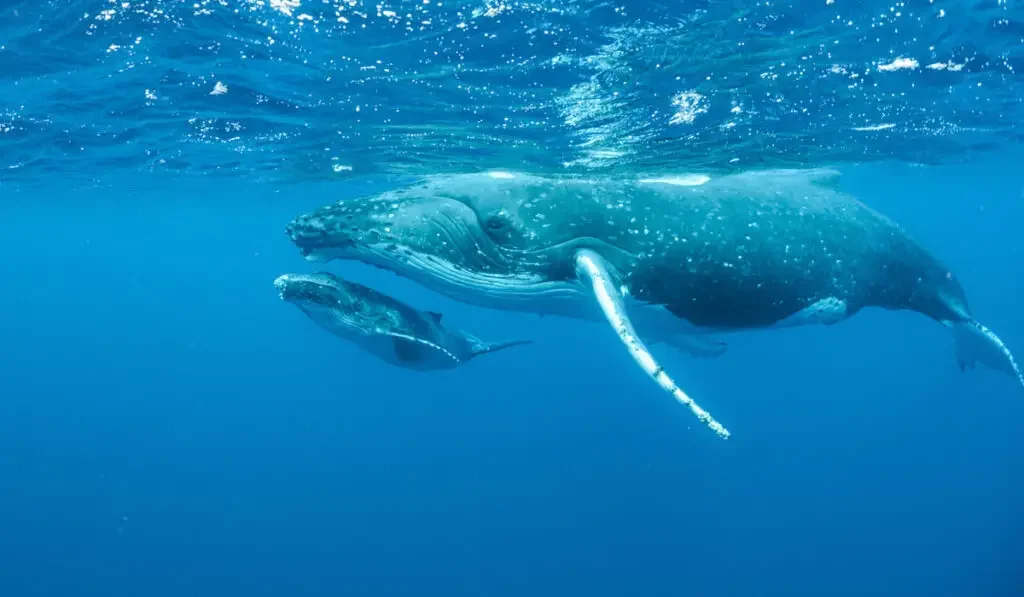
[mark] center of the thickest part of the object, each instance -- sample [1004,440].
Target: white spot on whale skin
[689,180]
[501,174]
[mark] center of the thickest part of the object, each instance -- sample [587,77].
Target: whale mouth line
[503,289]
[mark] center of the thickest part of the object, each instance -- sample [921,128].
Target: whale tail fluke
[975,343]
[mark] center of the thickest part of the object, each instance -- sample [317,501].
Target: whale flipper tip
[594,270]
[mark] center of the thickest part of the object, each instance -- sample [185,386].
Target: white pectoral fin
[975,343]
[591,268]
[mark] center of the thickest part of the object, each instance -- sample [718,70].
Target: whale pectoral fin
[592,269]
[480,348]
[975,343]
[410,349]
[697,346]
[406,350]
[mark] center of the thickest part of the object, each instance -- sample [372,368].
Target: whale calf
[381,325]
[660,256]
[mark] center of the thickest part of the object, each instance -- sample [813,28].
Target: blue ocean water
[169,427]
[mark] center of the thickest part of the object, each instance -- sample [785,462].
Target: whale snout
[286,285]
[312,290]
[330,229]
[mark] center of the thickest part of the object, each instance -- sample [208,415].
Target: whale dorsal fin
[593,269]
[435,316]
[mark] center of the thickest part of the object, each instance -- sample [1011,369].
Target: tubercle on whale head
[321,229]
[394,230]
[458,235]
[319,287]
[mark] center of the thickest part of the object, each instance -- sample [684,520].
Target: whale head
[315,291]
[463,235]
[347,309]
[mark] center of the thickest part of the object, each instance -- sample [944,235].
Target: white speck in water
[950,66]
[875,127]
[689,105]
[285,7]
[899,64]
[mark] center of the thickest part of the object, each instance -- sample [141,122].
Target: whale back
[753,250]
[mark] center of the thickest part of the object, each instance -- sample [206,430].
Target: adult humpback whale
[744,251]
[391,330]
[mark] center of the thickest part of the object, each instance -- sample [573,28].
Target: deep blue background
[169,427]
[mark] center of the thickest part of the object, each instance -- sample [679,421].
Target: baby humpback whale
[381,325]
[689,256]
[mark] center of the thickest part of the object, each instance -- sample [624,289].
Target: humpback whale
[653,257]
[381,325]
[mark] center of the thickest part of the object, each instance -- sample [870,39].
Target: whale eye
[502,228]
[496,223]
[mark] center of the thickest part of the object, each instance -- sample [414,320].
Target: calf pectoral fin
[480,348]
[410,349]
[592,268]
[975,343]
[407,350]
